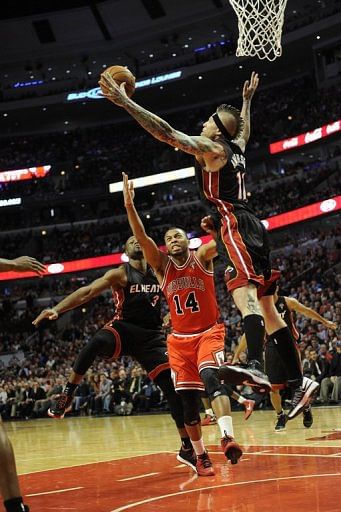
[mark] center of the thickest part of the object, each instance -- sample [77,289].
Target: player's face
[133,249]
[176,242]
[209,128]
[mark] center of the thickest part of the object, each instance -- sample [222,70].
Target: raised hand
[128,190]
[50,314]
[250,86]
[330,325]
[207,225]
[27,264]
[111,90]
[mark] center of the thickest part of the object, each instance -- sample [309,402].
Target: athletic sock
[198,446]
[225,425]
[285,345]
[254,331]
[14,505]
[70,388]
[241,399]
[186,443]
[209,412]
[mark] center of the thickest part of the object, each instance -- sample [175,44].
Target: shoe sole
[236,376]
[280,429]
[57,417]
[233,454]
[187,463]
[309,390]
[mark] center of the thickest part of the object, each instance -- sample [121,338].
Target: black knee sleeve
[164,381]
[191,406]
[102,344]
[213,387]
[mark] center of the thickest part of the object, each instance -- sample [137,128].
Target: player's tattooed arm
[155,125]
[249,89]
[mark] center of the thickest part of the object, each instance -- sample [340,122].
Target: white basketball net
[260,25]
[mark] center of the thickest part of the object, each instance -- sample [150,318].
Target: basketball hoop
[260,24]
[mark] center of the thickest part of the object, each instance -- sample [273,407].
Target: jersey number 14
[190,303]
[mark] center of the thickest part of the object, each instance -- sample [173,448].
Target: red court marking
[265,482]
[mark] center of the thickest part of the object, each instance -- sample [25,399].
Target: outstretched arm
[157,127]
[295,305]
[156,258]
[248,92]
[22,264]
[208,251]
[113,278]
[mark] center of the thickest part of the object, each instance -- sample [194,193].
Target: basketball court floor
[114,464]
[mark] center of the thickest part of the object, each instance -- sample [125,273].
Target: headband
[221,127]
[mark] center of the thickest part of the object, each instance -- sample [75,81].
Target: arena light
[155,179]
[96,94]
[305,138]
[277,221]
[14,201]
[25,174]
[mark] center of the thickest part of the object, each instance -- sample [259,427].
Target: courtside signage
[305,138]
[96,93]
[15,201]
[25,174]
[277,221]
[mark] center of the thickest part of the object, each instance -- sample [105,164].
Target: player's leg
[9,484]
[210,356]
[209,418]
[151,353]
[105,343]
[278,377]
[280,335]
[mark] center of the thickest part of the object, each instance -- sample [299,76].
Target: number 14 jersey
[190,293]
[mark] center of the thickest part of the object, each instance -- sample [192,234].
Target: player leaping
[220,171]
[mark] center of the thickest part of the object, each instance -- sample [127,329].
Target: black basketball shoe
[307,417]
[281,422]
[251,376]
[187,457]
[63,405]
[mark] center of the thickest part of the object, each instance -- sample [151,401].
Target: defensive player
[196,344]
[9,483]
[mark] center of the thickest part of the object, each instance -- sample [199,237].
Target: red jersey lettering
[190,293]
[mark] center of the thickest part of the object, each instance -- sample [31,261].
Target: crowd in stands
[40,361]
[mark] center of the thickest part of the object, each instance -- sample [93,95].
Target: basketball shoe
[63,405]
[281,422]
[251,376]
[249,406]
[187,457]
[208,420]
[204,466]
[307,417]
[231,449]
[302,397]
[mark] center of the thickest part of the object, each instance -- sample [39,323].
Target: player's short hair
[176,227]
[236,114]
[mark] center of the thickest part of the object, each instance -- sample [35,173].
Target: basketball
[122,74]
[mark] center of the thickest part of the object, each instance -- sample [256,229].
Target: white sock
[198,446]
[209,412]
[241,399]
[225,425]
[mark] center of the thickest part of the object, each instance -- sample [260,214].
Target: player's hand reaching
[330,325]
[207,225]
[49,314]
[250,86]
[111,90]
[128,190]
[26,264]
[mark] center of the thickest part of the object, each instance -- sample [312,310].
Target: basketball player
[135,330]
[286,307]
[196,345]
[9,483]
[220,170]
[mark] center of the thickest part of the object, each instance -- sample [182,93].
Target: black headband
[221,127]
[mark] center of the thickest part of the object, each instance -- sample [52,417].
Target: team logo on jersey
[229,269]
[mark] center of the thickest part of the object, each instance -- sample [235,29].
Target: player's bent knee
[212,383]
[191,405]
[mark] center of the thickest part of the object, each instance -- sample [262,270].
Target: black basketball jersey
[139,302]
[226,185]
[287,316]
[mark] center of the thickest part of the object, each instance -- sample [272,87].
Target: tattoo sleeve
[162,131]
